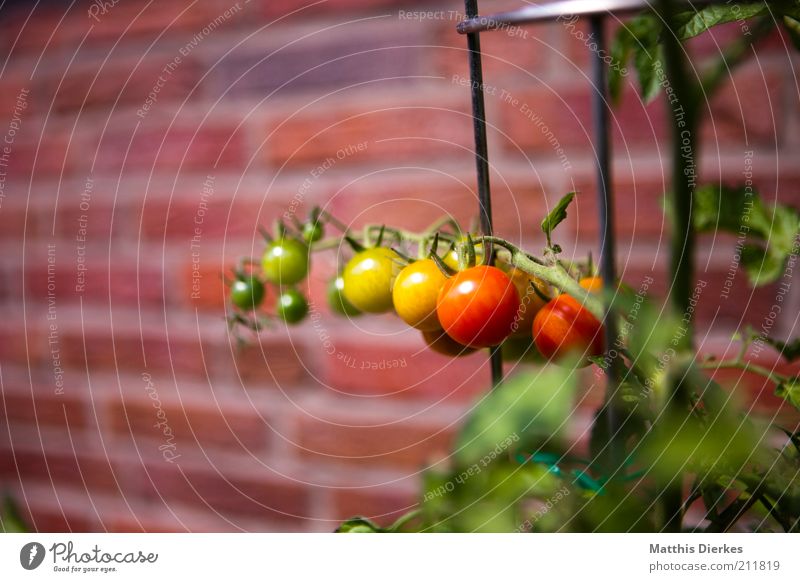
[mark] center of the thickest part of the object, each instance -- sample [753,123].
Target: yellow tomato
[368,279]
[415,292]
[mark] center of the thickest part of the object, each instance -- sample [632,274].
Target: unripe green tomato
[337,301]
[285,261]
[369,277]
[292,306]
[247,293]
[313,232]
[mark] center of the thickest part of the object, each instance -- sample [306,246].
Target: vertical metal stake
[482,158]
[607,243]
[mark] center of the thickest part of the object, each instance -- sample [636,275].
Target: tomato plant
[477,307]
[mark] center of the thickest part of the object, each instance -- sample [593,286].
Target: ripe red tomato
[441,343]
[477,306]
[564,327]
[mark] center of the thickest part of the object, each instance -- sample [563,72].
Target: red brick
[59,520]
[63,468]
[28,353]
[128,350]
[16,222]
[53,155]
[16,95]
[136,19]
[43,407]
[638,209]
[365,56]
[277,8]
[515,53]
[435,129]
[204,287]
[259,495]
[404,444]
[118,84]
[566,112]
[733,118]
[192,424]
[220,217]
[103,283]
[208,148]
[266,361]
[404,371]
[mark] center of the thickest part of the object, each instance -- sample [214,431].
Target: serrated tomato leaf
[790,391]
[767,233]
[556,216]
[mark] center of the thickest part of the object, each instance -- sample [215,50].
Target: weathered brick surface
[349,104]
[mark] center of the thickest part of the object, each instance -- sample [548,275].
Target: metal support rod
[540,12]
[607,240]
[482,158]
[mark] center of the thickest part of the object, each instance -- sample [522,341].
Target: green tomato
[313,232]
[292,306]
[285,261]
[369,277]
[337,301]
[247,293]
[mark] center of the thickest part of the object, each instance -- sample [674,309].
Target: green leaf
[556,216]
[695,22]
[790,391]
[637,39]
[621,51]
[526,412]
[359,525]
[761,266]
[648,63]
[769,232]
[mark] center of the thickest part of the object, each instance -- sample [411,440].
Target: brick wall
[125,404]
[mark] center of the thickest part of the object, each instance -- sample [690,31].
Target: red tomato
[564,327]
[441,343]
[477,306]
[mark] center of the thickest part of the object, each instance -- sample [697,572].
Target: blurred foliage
[771,231]
[10,519]
[640,39]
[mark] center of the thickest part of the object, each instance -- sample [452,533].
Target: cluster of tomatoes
[458,306]
[459,310]
[285,263]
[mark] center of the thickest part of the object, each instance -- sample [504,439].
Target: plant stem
[747,367]
[554,274]
[683,120]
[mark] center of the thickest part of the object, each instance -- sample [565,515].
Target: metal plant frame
[596,12]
